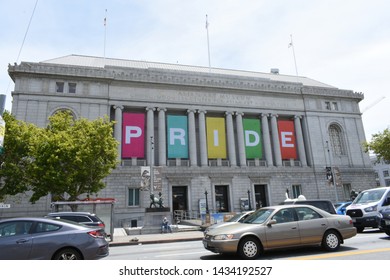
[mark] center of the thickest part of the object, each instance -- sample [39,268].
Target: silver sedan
[50,239]
[281,226]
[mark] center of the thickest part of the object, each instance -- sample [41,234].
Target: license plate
[353,220]
[387,222]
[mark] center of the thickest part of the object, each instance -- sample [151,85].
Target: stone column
[230,139]
[150,135]
[118,129]
[162,142]
[266,139]
[202,138]
[275,140]
[192,137]
[301,145]
[240,139]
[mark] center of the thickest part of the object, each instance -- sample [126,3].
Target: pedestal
[153,219]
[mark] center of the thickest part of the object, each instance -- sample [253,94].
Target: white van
[364,210]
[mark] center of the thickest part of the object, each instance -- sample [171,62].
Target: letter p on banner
[133,135]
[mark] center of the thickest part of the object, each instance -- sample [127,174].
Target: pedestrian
[166,227]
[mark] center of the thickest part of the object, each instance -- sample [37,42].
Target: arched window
[336,139]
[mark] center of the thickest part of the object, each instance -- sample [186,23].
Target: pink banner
[133,135]
[287,140]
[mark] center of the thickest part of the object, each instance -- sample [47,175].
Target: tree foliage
[380,145]
[67,159]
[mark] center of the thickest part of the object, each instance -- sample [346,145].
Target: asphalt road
[369,245]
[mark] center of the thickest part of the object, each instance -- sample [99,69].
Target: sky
[345,44]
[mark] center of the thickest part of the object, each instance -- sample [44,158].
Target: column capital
[297,117]
[162,109]
[150,108]
[239,114]
[229,113]
[274,115]
[202,111]
[191,111]
[264,115]
[118,107]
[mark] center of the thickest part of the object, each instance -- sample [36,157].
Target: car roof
[70,213]
[43,219]
[284,206]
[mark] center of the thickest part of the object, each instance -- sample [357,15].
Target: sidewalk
[121,238]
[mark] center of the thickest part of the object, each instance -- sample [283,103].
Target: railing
[292,163]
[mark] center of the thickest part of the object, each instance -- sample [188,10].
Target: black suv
[84,218]
[323,204]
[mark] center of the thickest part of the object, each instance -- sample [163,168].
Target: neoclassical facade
[231,138]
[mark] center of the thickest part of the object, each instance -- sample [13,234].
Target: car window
[258,217]
[305,213]
[284,216]
[46,227]
[15,228]
[83,219]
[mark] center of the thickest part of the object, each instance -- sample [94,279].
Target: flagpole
[208,43]
[295,61]
[105,35]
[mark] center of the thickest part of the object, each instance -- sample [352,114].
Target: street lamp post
[207,203]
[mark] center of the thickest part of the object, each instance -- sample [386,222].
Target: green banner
[252,138]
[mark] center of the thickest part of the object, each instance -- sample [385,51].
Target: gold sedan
[281,226]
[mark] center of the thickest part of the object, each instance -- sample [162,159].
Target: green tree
[67,159]
[380,145]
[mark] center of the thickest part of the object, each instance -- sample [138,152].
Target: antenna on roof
[208,44]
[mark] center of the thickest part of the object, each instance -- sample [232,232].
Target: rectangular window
[72,87]
[297,190]
[133,199]
[347,191]
[335,106]
[59,87]
[387,182]
[327,105]
[386,173]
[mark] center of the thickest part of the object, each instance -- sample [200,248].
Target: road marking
[180,254]
[342,254]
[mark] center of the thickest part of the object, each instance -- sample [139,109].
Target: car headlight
[223,237]
[371,208]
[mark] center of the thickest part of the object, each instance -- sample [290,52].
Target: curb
[131,243]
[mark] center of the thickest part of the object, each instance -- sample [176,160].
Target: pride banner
[133,135]
[287,139]
[252,138]
[216,137]
[177,136]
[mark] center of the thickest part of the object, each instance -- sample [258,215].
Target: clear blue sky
[342,43]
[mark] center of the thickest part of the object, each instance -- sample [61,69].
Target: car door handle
[323,225]
[294,228]
[21,241]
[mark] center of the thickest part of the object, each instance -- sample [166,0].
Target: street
[369,245]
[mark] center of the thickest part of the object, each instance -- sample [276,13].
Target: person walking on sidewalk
[166,227]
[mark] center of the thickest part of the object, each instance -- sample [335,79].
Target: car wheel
[359,229]
[249,248]
[67,254]
[331,240]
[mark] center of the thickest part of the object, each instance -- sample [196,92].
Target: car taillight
[96,234]
[101,225]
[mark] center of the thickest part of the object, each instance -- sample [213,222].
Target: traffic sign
[2,205]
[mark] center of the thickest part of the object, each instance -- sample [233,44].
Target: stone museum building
[209,139]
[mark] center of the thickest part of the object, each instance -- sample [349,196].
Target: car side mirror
[272,222]
[387,202]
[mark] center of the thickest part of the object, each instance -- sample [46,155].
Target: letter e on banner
[287,139]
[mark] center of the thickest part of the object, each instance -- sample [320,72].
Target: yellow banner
[216,138]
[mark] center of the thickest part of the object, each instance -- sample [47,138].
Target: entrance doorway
[261,196]
[221,199]
[179,198]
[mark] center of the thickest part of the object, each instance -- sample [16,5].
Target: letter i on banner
[133,135]
[287,139]
[216,137]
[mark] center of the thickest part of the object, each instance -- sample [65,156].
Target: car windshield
[370,196]
[235,218]
[258,217]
